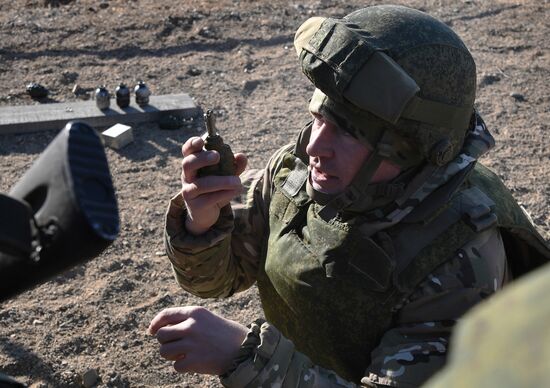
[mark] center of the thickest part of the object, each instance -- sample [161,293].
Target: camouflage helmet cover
[391,74]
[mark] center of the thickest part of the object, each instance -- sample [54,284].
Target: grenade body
[226,165]
[122,94]
[36,90]
[214,142]
[102,98]
[142,94]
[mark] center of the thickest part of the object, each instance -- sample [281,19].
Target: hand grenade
[122,94]
[214,142]
[102,97]
[142,94]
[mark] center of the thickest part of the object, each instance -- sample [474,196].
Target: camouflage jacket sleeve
[416,347]
[516,346]
[409,353]
[268,359]
[224,260]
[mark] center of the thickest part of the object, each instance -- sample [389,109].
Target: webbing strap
[430,256]
[459,223]
[437,113]
[355,197]
[413,238]
[295,179]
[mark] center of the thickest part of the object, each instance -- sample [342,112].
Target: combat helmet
[397,79]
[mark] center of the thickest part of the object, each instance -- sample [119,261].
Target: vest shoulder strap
[420,248]
[482,203]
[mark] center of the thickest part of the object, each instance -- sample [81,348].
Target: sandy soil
[235,56]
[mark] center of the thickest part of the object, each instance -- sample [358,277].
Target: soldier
[369,237]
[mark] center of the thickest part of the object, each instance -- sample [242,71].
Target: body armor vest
[334,287]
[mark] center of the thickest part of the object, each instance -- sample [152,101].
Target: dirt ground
[235,56]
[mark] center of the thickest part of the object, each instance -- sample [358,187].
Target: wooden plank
[42,117]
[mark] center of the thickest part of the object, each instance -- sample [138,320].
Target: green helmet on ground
[398,79]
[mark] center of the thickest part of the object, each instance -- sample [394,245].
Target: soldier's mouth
[320,175]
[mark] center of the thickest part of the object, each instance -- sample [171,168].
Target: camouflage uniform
[364,288]
[227,258]
[504,353]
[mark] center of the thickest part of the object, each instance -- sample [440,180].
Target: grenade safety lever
[214,142]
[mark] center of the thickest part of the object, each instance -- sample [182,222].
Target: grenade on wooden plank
[122,94]
[142,94]
[102,97]
[36,90]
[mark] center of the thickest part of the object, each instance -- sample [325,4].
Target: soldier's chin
[324,188]
[324,183]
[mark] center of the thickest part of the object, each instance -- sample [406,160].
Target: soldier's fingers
[192,145]
[174,350]
[219,199]
[176,332]
[240,163]
[170,316]
[210,184]
[192,163]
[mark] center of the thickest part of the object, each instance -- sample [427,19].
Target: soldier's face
[335,157]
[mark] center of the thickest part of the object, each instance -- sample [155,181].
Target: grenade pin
[210,121]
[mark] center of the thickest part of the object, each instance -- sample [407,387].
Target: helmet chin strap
[360,195]
[355,198]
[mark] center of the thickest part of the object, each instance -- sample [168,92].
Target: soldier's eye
[317,116]
[345,133]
